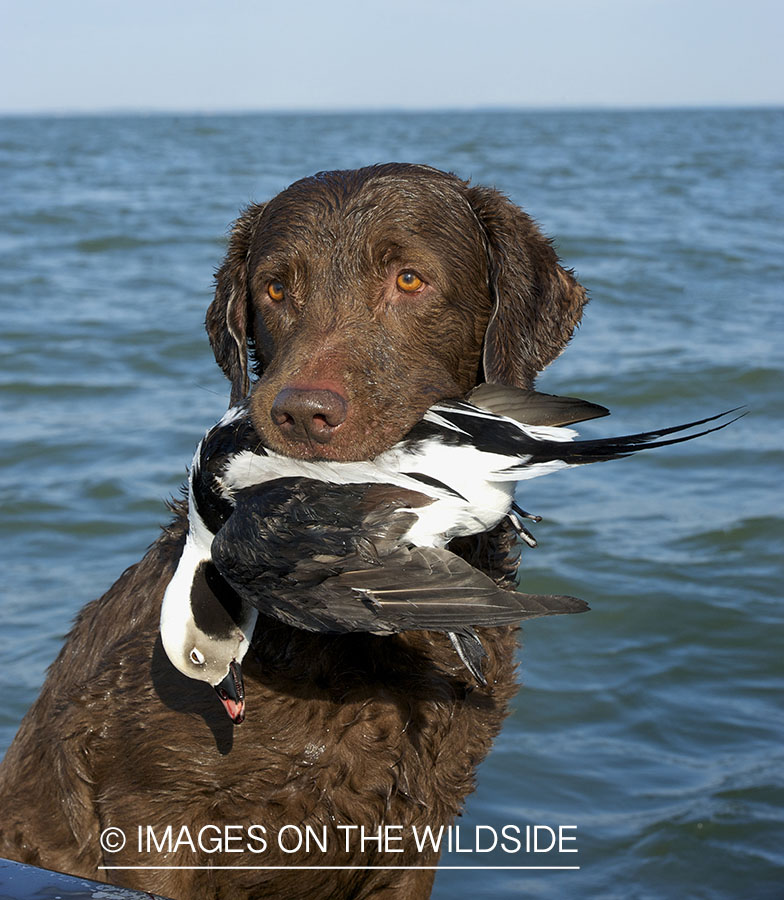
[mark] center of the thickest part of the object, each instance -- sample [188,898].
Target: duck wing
[533,407]
[329,558]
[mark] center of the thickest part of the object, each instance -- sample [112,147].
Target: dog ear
[228,316]
[538,304]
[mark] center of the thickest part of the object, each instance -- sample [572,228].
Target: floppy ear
[537,303]
[229,313]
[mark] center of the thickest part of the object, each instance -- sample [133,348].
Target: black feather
[297,549]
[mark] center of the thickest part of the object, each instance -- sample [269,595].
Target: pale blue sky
[88,55]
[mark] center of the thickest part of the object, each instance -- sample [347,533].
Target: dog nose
[306,415]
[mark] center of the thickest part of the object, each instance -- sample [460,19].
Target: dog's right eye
[409,282]
[276,291]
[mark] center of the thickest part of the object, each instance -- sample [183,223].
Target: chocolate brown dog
[346,305]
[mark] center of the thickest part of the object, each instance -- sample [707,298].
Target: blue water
[654,724]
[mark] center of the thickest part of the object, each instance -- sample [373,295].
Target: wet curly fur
[341,729]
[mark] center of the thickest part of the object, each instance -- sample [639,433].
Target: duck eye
[409,281]
[197,657]
[276,291]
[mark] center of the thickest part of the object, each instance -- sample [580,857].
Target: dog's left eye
[409,281]
[276,291]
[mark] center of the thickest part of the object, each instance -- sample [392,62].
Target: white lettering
[348,829]
[427,835]
[298,834]
[566,837]
[537,830]
[252,835]
[508,836]
[492,832]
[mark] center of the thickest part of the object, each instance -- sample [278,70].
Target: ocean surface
[652,727]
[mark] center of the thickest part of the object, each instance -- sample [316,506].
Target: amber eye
[275,291]
[409,281]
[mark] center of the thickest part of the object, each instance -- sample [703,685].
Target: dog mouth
[346,436]
[354,445]
[347,418]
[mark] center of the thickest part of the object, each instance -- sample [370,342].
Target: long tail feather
[602,449]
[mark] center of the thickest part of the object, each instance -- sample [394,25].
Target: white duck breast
[466,458]
[456,455]
[205,627]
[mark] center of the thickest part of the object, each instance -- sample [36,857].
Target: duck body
[362,546]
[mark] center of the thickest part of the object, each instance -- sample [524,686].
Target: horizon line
[148,111]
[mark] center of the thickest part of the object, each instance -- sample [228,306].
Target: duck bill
[232,693]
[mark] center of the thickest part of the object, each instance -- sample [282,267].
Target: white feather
[176,612]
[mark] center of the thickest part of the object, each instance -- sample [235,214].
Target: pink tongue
[235,709]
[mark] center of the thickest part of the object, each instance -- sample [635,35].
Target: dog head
[359,298]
